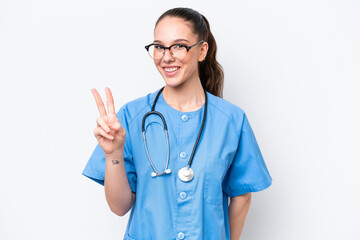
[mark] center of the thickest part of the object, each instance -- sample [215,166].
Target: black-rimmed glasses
[156,51]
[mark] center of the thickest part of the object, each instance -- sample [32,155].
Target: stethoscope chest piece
[186,174]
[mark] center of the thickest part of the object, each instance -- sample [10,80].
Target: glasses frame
[164,48]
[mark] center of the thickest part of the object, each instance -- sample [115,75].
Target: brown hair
[210,71]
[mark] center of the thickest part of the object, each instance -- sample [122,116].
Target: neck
[186,97]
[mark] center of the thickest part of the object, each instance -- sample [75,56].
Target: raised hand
[108,132]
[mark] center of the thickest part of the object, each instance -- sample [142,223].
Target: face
[176,72]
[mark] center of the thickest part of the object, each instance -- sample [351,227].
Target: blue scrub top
[227,163]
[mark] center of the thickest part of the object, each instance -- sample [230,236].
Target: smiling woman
[178,184]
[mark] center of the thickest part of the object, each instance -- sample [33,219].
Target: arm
[111,137]
[118,193]
[238,210]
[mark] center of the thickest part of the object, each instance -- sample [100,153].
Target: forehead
[172,28]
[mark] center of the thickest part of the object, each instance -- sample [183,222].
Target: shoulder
[224,107]
[132,108]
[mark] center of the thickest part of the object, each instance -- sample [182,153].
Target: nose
[167,56]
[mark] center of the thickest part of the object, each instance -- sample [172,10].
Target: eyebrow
[176,41]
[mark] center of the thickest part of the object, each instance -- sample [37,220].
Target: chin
[173,81]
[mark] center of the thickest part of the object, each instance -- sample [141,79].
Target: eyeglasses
[179,51]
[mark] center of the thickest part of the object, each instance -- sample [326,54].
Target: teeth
[171,69]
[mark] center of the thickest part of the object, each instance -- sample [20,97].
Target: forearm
[118,193]
[238,210]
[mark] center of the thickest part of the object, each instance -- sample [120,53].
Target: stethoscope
[186,174]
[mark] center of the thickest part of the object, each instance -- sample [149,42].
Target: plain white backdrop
[293,66]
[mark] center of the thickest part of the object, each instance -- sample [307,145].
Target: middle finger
[110,101]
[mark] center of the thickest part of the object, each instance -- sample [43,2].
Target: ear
[203,51]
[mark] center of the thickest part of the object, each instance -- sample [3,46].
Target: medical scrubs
[227,163]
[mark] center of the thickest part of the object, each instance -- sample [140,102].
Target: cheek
[157,64]
[193,59]
[191,66]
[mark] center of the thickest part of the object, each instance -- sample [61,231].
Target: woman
[177,182]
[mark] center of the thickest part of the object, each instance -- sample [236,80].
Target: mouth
[171,70]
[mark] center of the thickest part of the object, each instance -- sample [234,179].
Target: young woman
[176,156]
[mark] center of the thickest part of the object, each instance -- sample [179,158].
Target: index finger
[99,102]
[110,101]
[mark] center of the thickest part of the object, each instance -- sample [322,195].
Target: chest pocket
[215,171]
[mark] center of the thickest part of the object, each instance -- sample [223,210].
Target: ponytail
[210,71]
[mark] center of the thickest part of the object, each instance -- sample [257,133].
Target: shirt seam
[230,117]
[133,118]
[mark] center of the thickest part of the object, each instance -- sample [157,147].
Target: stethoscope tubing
[166,132]
[156,113]
[200,132]
[167,157]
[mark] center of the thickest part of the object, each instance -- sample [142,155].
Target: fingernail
[112,137]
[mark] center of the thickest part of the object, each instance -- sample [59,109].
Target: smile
[171,69]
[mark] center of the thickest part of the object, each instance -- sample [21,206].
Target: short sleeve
[95,167]
[247,172]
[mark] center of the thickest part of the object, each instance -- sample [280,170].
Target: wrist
[115,154]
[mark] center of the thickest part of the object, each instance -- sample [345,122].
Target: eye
[179,46]
[158,47]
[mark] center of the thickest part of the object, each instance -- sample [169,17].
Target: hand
[109,132]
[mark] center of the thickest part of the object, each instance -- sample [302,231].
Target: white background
[293,66]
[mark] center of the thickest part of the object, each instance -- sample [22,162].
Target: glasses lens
[156,52]
[178,51]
